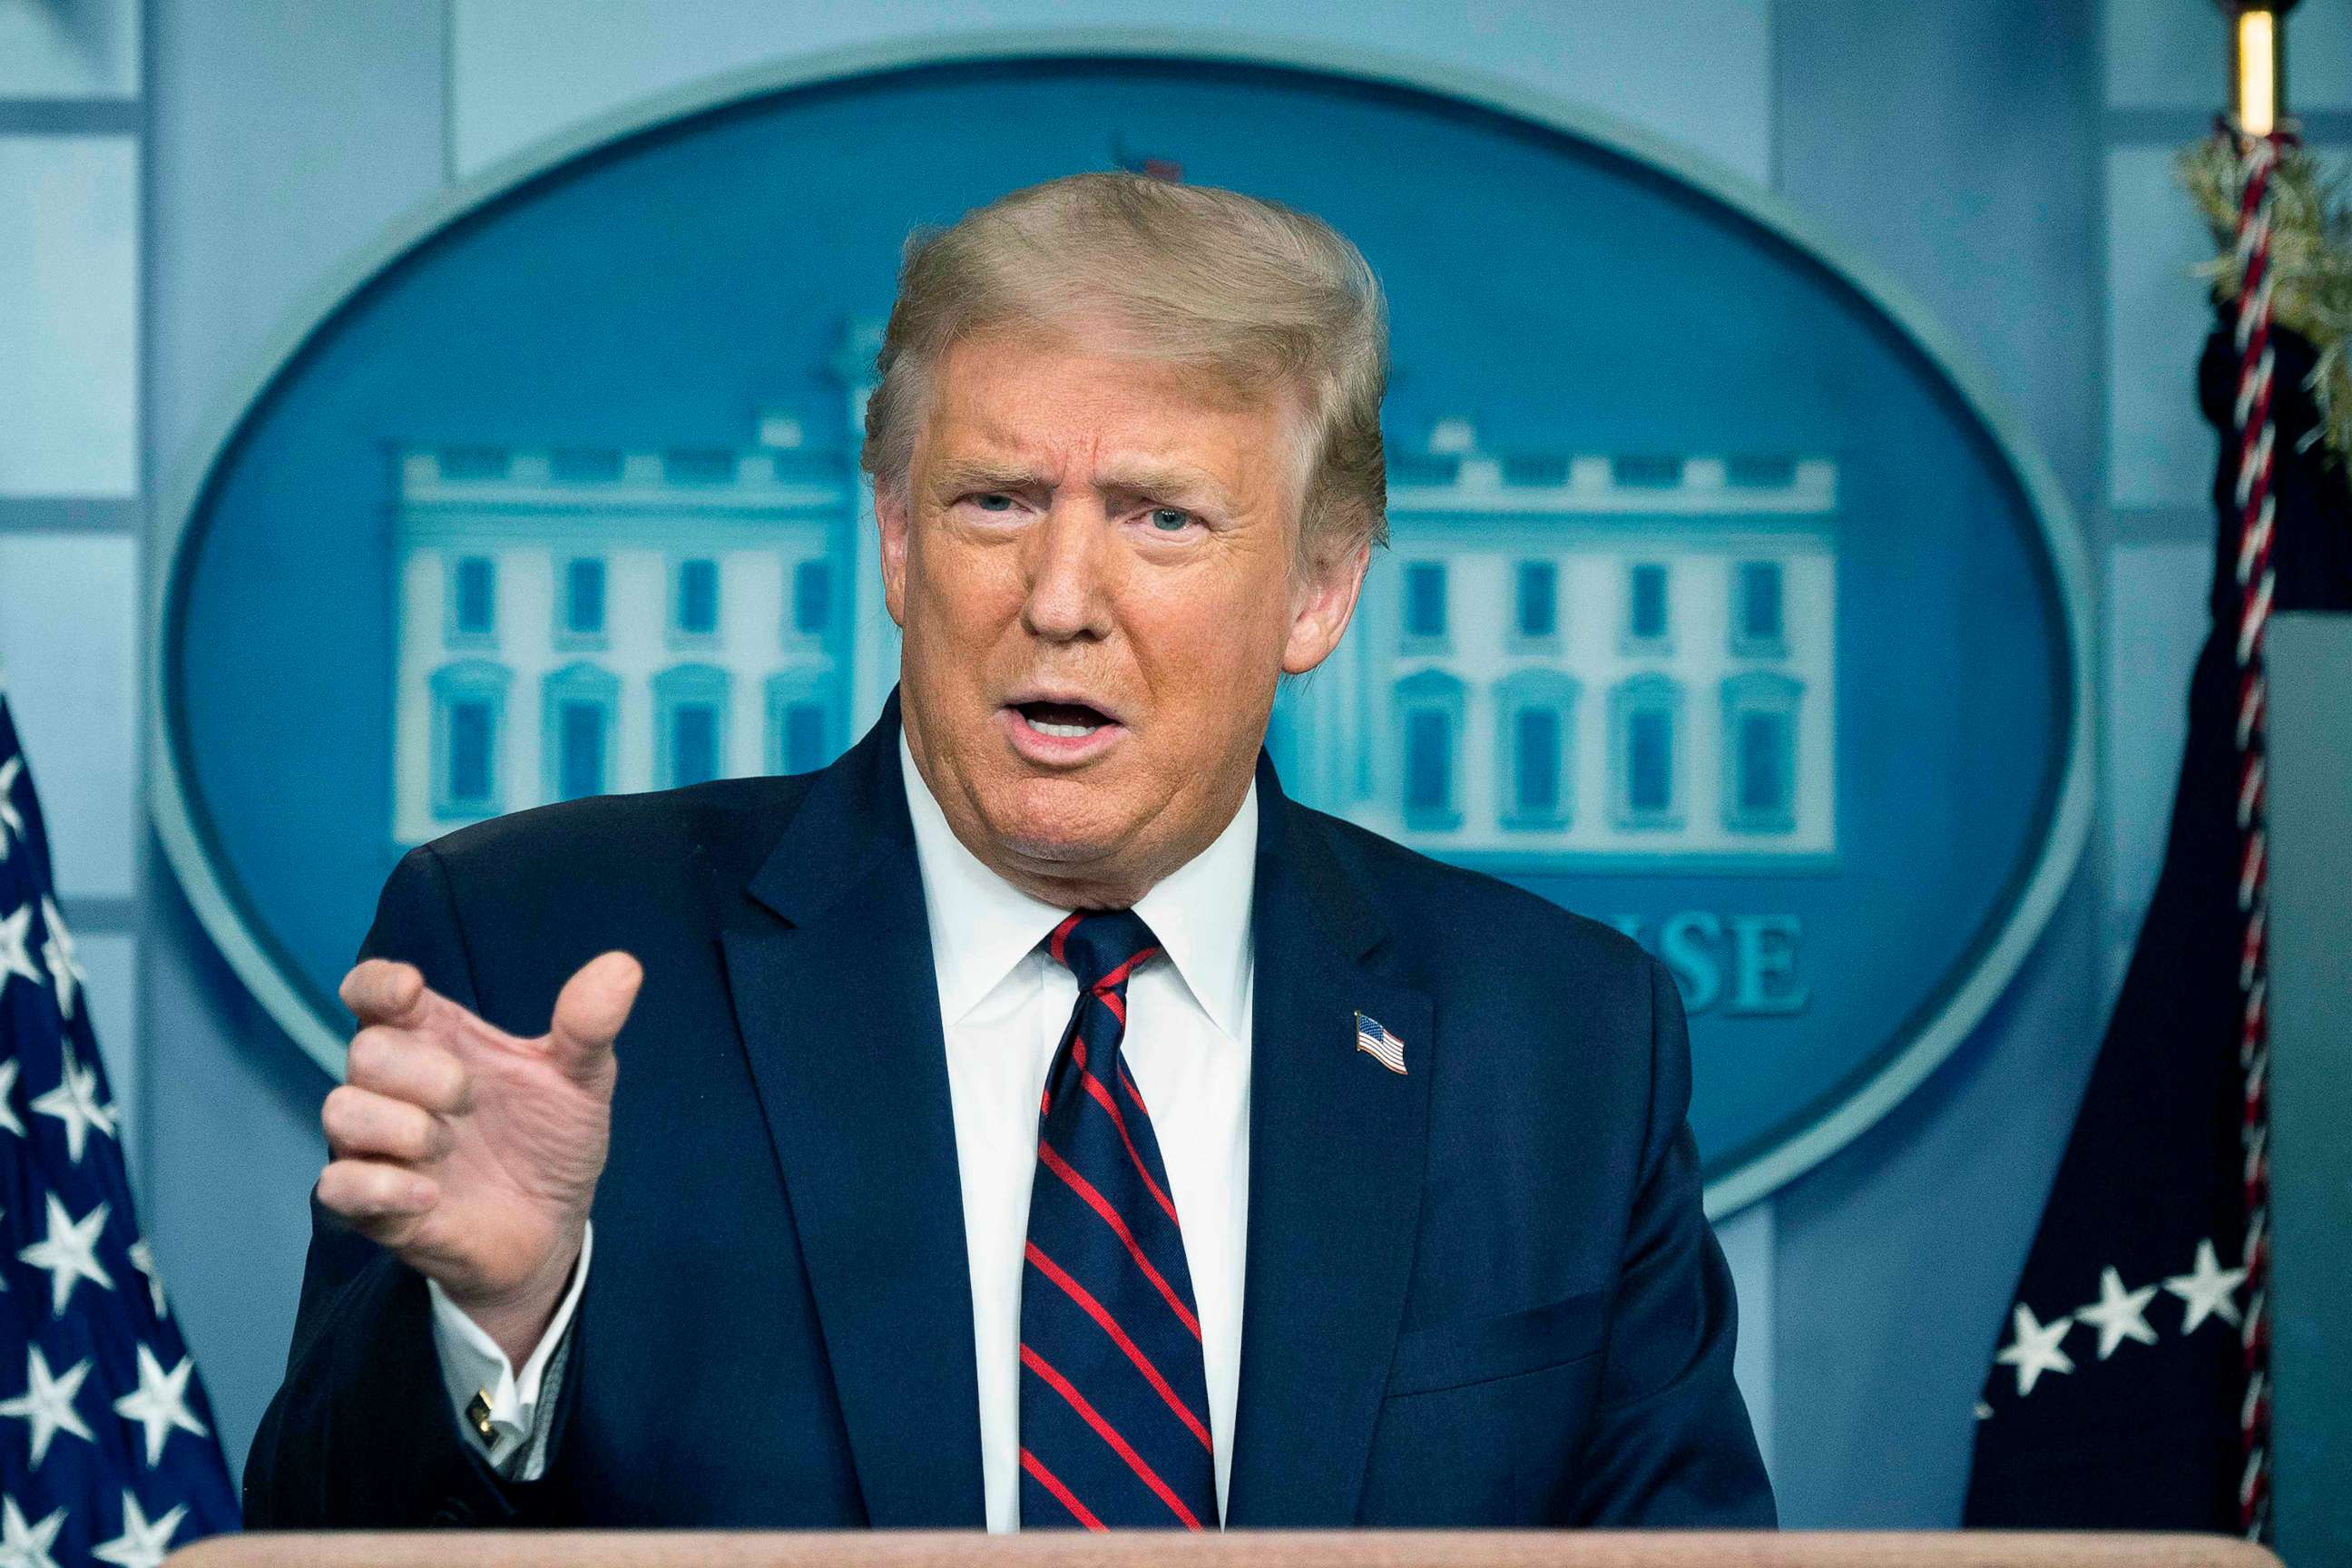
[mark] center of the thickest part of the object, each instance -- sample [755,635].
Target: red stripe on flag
[1101,1205]
[1061,1494]
[1109,1434]
[1095,1309]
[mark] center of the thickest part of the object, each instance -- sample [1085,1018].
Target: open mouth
[1063,720]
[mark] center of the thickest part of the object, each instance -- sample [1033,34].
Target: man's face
[1096,566]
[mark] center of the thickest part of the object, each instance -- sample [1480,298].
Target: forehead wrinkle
[992,445]
[1002,466]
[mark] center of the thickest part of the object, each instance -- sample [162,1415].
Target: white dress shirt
[1004,1002]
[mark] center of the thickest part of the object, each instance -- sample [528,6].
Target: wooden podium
[1336,1549]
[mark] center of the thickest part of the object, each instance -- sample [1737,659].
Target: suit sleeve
[1671,1443]
[359,1434]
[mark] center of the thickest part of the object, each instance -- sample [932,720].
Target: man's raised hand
[472,1154]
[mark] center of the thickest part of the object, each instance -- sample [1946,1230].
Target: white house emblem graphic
[1572,660]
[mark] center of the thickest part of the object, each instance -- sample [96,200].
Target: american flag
[107,1451]
[2118,1399]
[1385,1047]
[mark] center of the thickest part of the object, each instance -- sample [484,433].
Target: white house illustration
[1569,661]
[1575,660]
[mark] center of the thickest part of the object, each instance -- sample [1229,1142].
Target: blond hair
[1248,291]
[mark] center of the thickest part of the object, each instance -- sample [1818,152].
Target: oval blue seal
[1721,605]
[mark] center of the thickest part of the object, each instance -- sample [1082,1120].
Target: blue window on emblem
[811,596]
[1764,764]
[1428,763]
[580,735]
[693,744]
[1538,599]
[475,602]
[698,597]
[1759,602]
[584,597]
[1424,599]
[471,728]
[1647,617]
[800,706]
[1760,709]
[1650,761]
[804,737]
[578,703]
[1537,761]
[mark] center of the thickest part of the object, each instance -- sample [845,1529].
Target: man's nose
[1068,598]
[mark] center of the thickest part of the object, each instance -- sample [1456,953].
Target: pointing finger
[411,1068]
[380,991]
[592,1008]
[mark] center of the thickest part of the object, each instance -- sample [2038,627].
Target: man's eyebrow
[1175,481]
[960,474]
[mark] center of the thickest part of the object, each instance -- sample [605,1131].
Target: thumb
[592,1008]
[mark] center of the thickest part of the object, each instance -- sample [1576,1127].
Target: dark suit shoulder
[1452,916]
[721,828]
[519,902]
[1561,1004]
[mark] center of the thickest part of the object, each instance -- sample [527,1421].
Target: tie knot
[1102,946]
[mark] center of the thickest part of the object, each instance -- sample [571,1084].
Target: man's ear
[1322,603]
[891,517]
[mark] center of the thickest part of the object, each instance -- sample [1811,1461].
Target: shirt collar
[982,926]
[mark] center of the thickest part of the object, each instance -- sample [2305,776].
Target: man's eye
[1168,519]
[994,501]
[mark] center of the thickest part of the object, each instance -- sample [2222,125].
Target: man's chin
[1069,851]
[1058,823]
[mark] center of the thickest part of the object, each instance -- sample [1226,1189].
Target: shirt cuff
[498,1409]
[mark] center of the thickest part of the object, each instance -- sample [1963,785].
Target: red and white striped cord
[2257,505]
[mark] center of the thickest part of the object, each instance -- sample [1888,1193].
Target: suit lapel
[834,994]
[1336,1144]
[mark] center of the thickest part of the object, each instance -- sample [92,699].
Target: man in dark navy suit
[1034,1119]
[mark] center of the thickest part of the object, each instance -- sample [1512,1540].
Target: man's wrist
[516,1320]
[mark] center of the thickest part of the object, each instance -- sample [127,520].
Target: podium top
[1156,1548]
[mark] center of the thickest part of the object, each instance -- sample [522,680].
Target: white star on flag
[2118,1315]
[57,953]
[2035,1350]
[23,1545]
[146,1440]
[74,1102]
[14,960]
[8,1096]
[160,1404]
[69,1252]
[2206,1290]
[10,821]
[143,1542]
[49,1404]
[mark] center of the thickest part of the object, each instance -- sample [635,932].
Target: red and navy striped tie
[1114,1406]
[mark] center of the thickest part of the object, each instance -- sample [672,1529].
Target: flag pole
[2256,132]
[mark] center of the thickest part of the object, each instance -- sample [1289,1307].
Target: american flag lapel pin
[1384,1048]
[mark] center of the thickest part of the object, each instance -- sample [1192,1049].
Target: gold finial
[2258,63]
